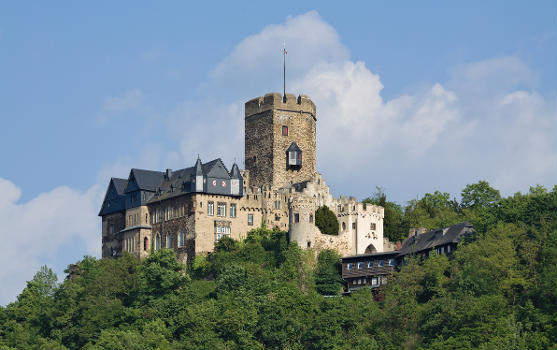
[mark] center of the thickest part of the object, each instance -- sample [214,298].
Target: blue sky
[414,98]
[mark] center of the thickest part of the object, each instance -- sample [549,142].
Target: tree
[327,273]
[479,195]
[326,221]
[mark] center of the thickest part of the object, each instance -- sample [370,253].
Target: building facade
[190,209]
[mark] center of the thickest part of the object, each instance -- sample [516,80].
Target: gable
[218,171]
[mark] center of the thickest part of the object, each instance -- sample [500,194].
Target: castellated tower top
[274,100]
[280,139]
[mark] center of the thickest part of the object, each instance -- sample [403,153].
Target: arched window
[181,239]
[168,241]
[145,243]
[157,242]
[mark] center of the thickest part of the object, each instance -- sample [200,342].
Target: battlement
[274,100]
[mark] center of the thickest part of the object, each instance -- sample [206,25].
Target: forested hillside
[496,292]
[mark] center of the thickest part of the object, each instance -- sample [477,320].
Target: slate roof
[293,147]
[114,202]
[435,238]
[147,180]
[180,181]
[160,185]
[120,184]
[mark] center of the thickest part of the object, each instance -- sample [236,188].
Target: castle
[190,209]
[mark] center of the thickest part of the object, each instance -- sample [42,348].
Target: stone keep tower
[280,139]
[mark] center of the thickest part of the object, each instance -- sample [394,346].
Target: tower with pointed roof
[280,140]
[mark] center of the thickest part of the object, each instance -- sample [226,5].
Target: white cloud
[130,100]
[257,60]
[486,122]
[33,231]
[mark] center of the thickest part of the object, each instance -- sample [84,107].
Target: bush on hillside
[326,221]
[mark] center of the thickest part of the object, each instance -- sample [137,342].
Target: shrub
[326,221]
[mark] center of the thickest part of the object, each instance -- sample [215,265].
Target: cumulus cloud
[485,122]
[116,105]
[33,231]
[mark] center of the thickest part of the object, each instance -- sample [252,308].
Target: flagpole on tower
[284,71]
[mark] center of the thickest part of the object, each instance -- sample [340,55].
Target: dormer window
[294,156]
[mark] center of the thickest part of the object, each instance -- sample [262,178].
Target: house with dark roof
[371,270]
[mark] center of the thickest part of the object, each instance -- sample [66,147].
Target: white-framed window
[221,209]
[250,219]
[181,238]
[374,281]
[370,264]
[381,263]
[210,208]
[391,262]
[360,265]
[168,241]
[232,210]
[349,266]
[448,249]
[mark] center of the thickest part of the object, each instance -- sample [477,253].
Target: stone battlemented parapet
[275,100]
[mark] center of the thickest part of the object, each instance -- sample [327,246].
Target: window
[168,241]
[391,262]
[360,265]
[277,204]
[380,263]
[365,280]
[349,266]
[311,218]
[210,208]
[145,243]
[296,217]
[353,225]
[284,130]
[146,218]
[448,249]
[232,210]
[373,226]
[111,229]
[309,244]
[221,209]
[370,264]
[157,242]
[250,219]
[181,239]
[344,226]
[359,281]
[442,250]
[222,228]
[374,281]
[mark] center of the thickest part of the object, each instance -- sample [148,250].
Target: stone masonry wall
[264,117]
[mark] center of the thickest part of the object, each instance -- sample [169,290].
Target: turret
[198,176]
[236,181]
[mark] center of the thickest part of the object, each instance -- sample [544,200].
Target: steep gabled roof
[114,198]
[120,184]
[147,180]
[216,168]
[435,238]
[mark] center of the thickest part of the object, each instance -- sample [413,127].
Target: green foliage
[326,221]
[327,273]
[497,291]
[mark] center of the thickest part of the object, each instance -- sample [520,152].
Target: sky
[412,97]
